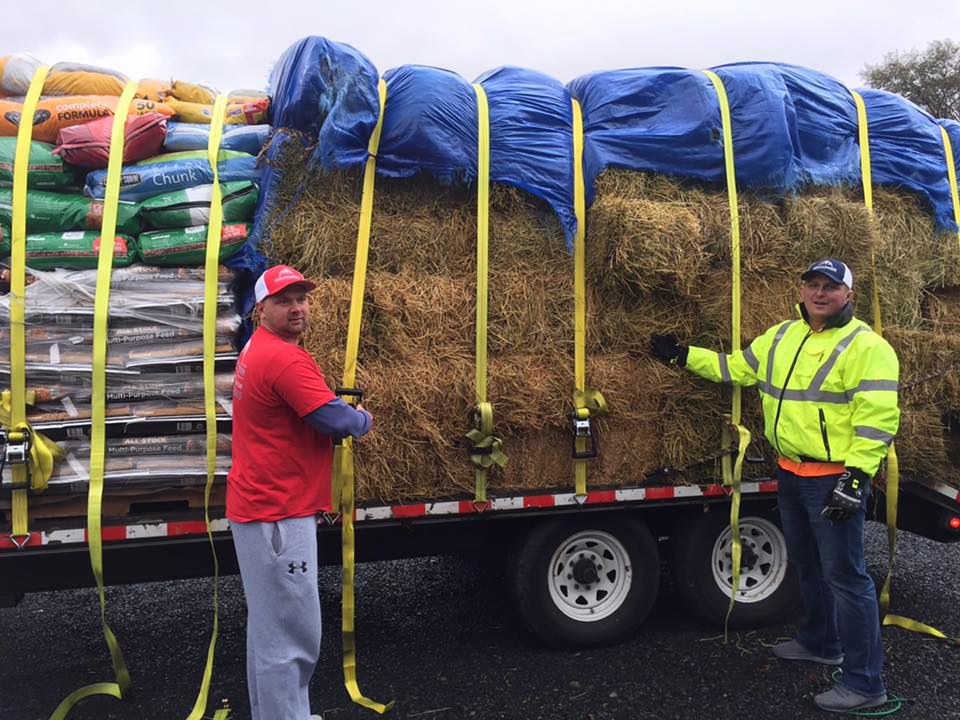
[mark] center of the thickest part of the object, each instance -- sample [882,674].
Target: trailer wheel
[703,572]
[584,583]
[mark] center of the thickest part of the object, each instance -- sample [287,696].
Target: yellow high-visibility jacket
[828,396]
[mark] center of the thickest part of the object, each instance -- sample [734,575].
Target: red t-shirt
[281,464]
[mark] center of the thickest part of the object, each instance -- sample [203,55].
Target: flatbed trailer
[583,573]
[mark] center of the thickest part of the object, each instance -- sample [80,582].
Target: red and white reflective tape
[405,511]
[120,532]
[529,502]
[944,489]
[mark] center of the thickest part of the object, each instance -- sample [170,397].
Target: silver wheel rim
[589,602]
[763,561]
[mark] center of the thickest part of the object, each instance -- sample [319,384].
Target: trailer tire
[586,583]
[700,566]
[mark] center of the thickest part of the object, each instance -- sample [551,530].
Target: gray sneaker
[793,650]
[842,699]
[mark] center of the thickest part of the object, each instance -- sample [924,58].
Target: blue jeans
[839,599]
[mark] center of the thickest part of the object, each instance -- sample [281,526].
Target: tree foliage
[930,78]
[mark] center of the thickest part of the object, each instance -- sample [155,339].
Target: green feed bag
[56,212]
[77,250]
[45,170]
[188,246]
[189,207]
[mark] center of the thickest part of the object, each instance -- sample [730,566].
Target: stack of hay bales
[658,260]
[658,252]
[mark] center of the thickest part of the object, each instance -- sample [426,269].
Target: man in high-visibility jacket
[828,386]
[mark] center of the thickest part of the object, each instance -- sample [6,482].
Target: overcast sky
[233,45]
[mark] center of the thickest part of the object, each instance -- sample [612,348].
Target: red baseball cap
[276,279]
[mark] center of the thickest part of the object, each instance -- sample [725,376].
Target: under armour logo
[302,567]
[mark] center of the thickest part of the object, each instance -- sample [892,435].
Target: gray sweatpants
[278,565]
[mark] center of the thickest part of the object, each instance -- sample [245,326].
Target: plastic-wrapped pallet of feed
[156,318]
[58,211]
[191,206]
[155,384]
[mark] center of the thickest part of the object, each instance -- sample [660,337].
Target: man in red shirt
[285,419]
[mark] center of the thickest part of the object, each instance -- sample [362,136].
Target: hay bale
[405,313]
[829,223]
[423,407]
[911,240]
[644,245]
[926,448]
[693,424]
[762,233]
[765,299]
[419,226]
[929,369]
[942,311]
[620,323]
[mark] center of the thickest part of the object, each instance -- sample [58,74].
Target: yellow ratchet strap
[951,159]
[732,470]
[210,303]
[44,452]
[587,403]
[893,463]
[343,466]
[486,449]
[20,532]
[101,306]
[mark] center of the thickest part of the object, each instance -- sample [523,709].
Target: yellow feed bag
[155,90]
[74,79]
[238,113]
[193,93]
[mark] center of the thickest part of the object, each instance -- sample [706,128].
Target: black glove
[668,349]
[846,498]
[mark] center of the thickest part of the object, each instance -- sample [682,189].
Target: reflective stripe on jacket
[827,396]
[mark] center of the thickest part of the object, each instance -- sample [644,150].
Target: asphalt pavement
[440,637]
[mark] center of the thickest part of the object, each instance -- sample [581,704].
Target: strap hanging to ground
[486,449]
[890,619]
[893,464]
[732,470]
[20,532]
[211,291]
[101,306]
[587,403]
[343,466]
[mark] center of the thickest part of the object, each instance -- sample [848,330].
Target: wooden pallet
[117,505]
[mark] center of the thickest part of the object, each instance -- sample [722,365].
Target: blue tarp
[430,125]
[791,126]
[328,91]
[906,150]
